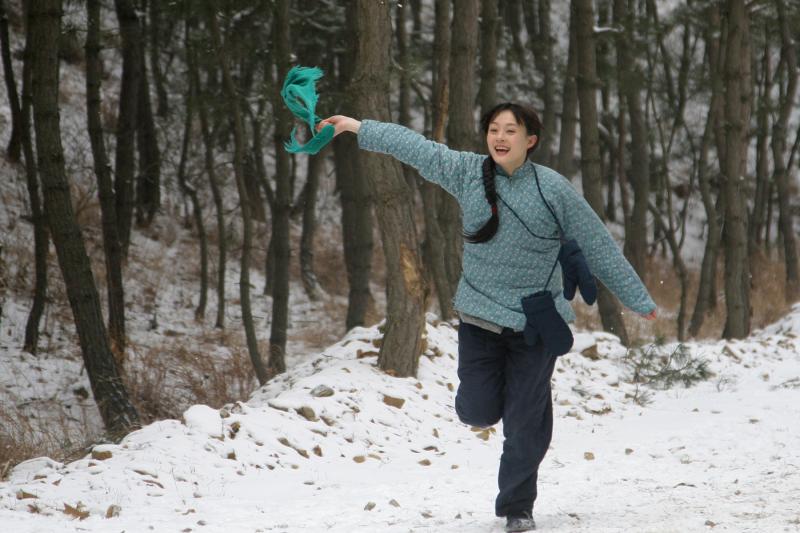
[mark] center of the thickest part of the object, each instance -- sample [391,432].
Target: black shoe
[523,522]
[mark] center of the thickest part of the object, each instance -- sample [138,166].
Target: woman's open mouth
[501,150]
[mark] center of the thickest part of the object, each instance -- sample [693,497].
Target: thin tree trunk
[780,174]
[404,111]
[148,193]
[156,27]
[189,190]
[762,154]
[461,124]
[283,194]
[405,316]
[316,165]
[434,245]
[487,92]
[216,193]
[635,248]
[541,42]
[125,158]
[737,271]
[116,410]
[590,148]
[15,142]
[680,268]
[354,193]
[41,237]
[569,107]
[105,187]
[244,203]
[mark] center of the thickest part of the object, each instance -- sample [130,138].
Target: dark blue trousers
[504,378]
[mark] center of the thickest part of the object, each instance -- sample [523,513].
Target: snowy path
[721,456]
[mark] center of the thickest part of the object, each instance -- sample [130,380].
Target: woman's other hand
[340,123]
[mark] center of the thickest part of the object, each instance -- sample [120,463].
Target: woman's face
[508,141]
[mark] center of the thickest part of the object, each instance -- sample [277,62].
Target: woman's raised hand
[340,123]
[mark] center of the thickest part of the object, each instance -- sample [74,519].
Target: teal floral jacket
[497,274]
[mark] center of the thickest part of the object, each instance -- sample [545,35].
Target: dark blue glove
[543,321]
[575,271]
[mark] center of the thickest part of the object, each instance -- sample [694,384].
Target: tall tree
[354,190]
[402,341]
[489,23]
[737,268]
[148,182]
[569,107]
[631,86]
[281,46]
[105,188]
[233,100]
[780,175]
[541,43]
[15,141]
[590,147]
[116,410]
[125,163]
[461,122]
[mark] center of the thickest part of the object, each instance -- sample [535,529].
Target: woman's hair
[533,126]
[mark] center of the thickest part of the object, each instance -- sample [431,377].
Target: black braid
[489,229]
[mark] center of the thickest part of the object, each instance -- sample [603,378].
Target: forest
[158,236]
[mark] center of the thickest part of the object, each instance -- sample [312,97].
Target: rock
[425,462]
[321,391]
[359,459]
[394,402]
[308,413]
[370,506]
[394,503]
[628,451]
[589,456]
[101,455]
[22,495]
[591,353]
[113,511]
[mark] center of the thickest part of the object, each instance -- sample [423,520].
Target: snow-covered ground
[336,445]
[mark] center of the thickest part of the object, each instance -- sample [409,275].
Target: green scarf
[300,94]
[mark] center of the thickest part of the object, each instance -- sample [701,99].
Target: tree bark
[41,236]
[781,173]
[590,148]
[434,244]
[244,202]
[487,91]
[569,107]
[541,41]
[105,187]
[148,193]
[316,165]
[762,154]
[354,192]
[156,29]
[635,248]
[116,410]
[281,46]
[737,271]
[14,148]
[125,164]
[405,317]
[461,124]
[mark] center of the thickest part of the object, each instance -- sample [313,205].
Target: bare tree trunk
[569,107]
[41,236]
[404,111]
[316,165]
[737,271]
[156,28]
[680,268]
[487,92]
[434,245]
[216,193]
[283,194]
[405,320]
[631,85]
[762,153]
[355,196]
[105,187]
[148,190]
[541,41]
[247,223]
[15,142]
[780,174]
[186,188]
[116,410]
[590,148]
[125,164]
[461,124]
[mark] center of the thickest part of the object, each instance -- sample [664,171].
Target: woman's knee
[482,416]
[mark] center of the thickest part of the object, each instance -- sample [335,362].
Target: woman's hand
[650,316]
[340,123]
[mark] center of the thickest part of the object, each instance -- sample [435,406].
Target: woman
[514,212]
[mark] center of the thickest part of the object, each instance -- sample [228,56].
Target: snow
[335,444]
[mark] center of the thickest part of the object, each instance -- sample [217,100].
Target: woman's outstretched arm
[435,162]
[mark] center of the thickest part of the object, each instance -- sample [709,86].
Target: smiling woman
[506,359]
